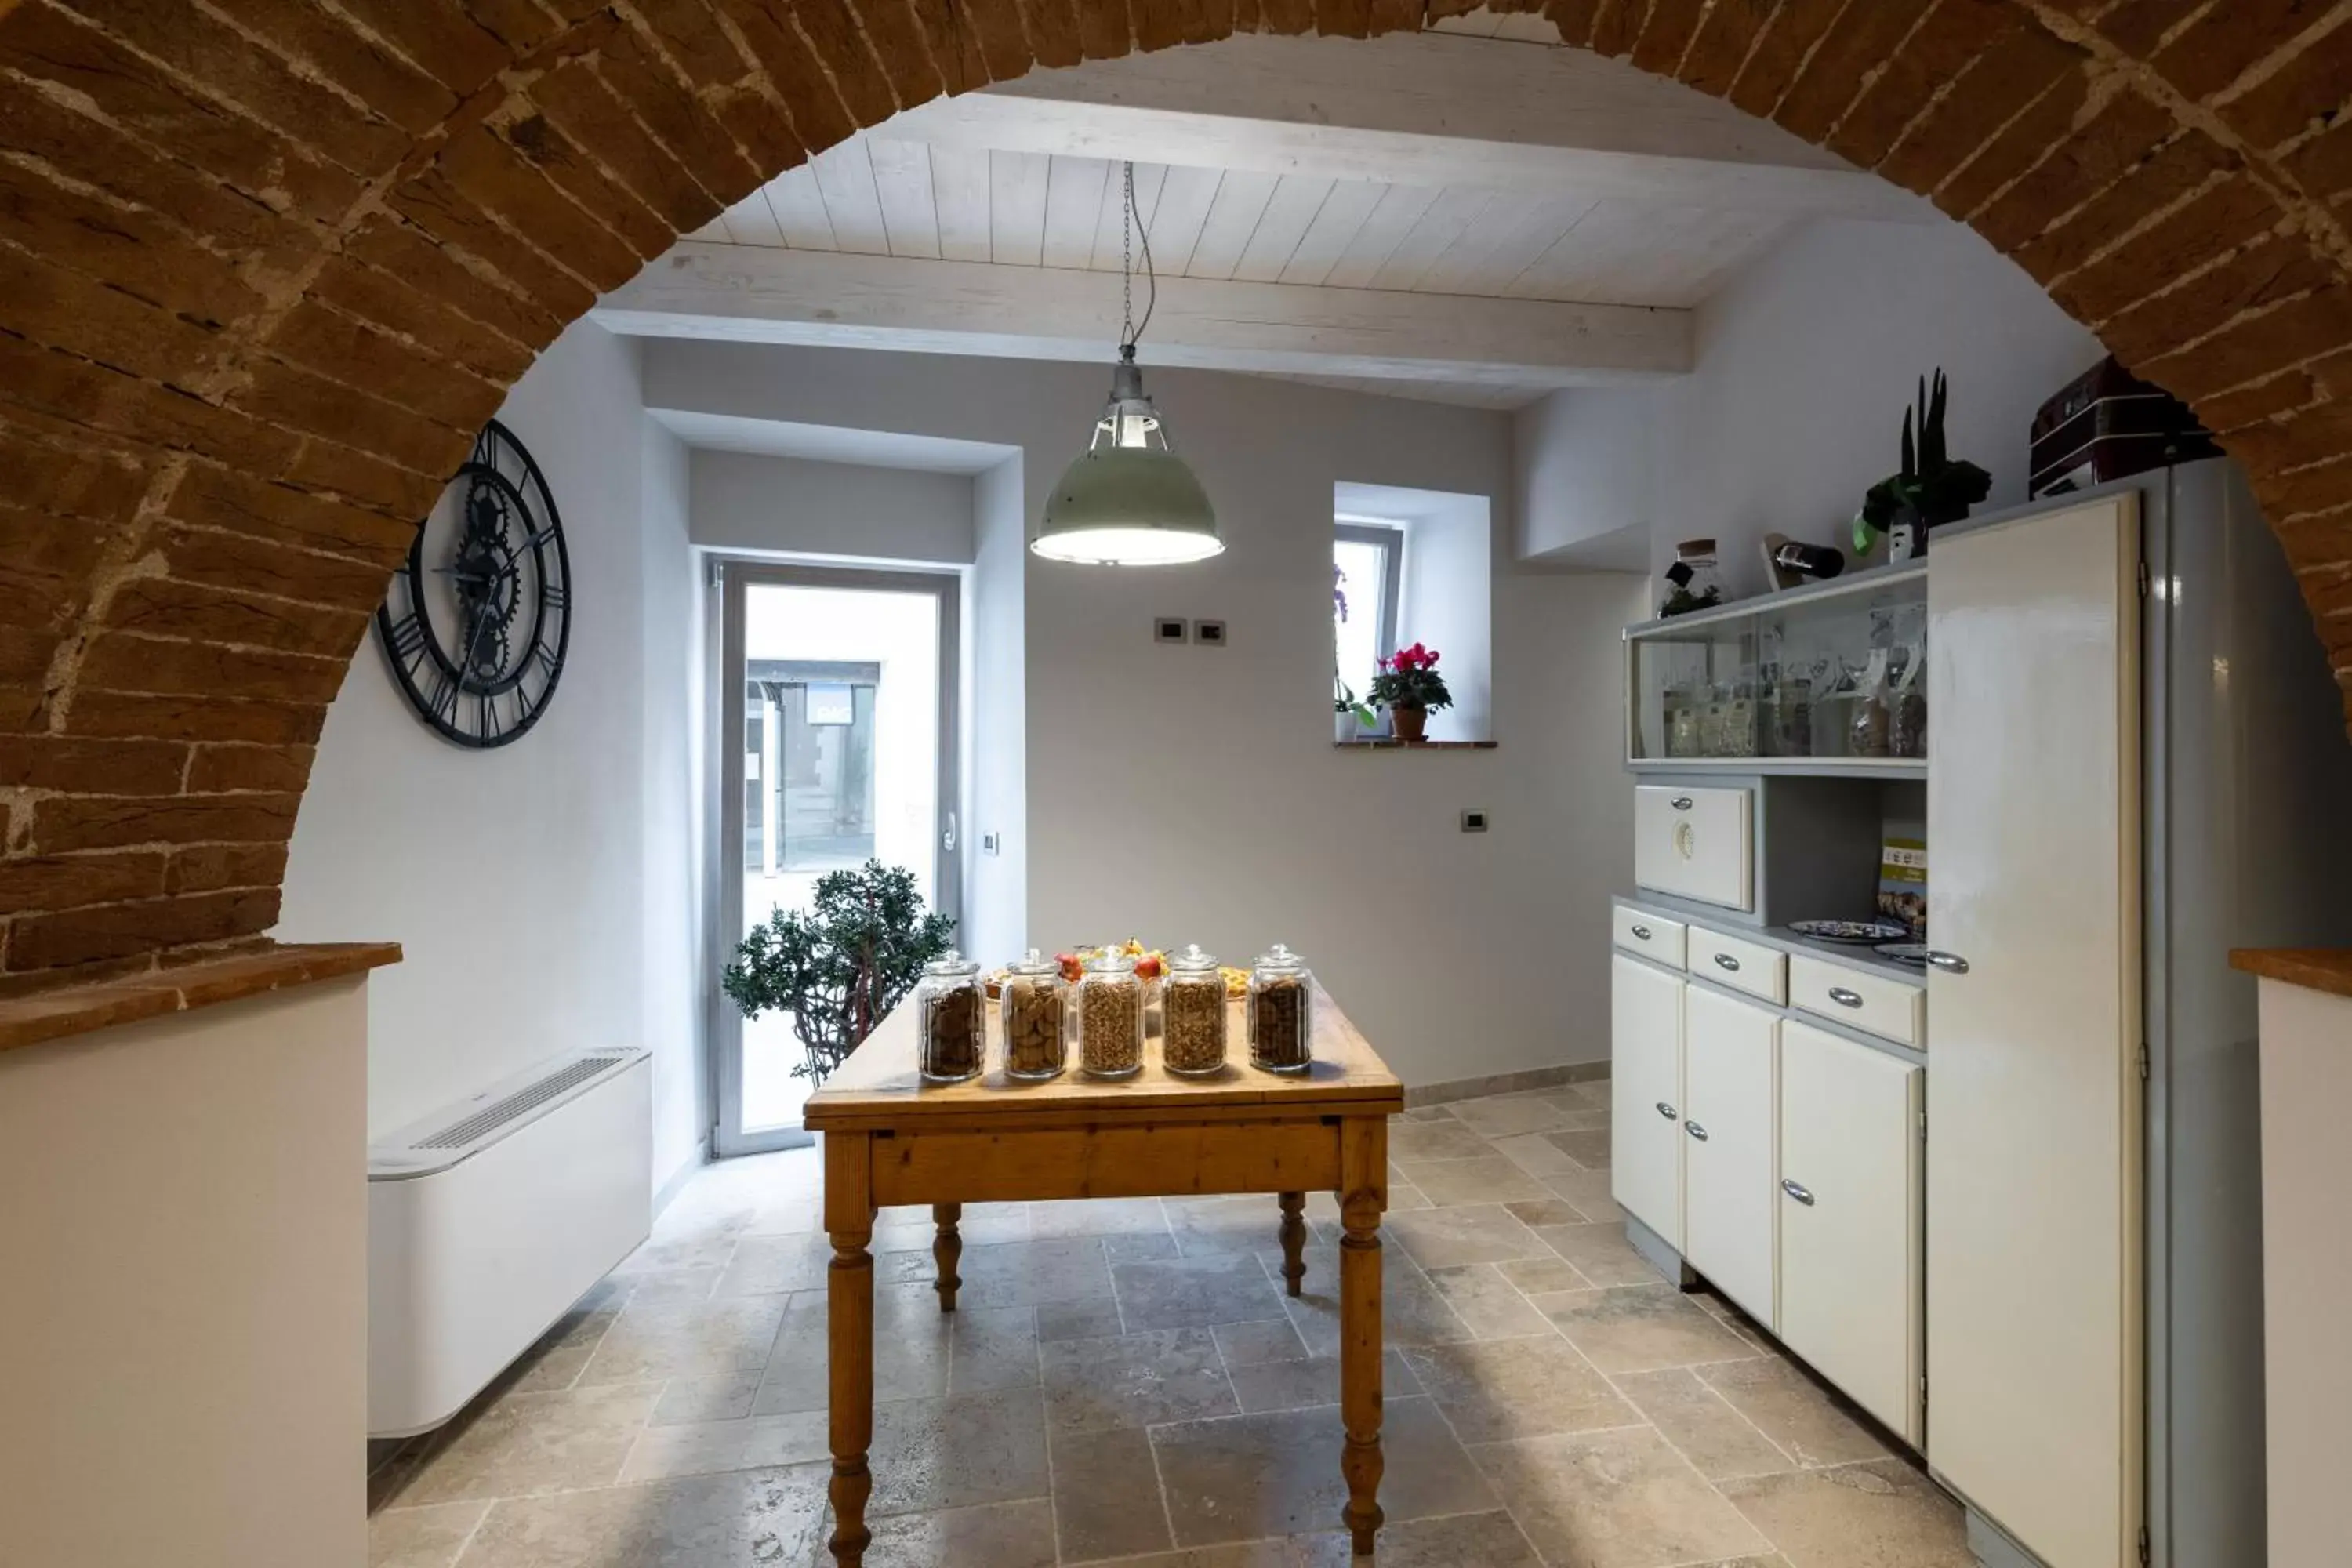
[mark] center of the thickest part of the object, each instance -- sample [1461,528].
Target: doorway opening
[838,745]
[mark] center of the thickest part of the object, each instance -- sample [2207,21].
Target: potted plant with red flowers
[1408,685]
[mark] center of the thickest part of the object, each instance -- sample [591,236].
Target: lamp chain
[1131,229]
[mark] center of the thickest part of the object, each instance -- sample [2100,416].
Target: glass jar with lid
[951,1019]
[1281,1012]
[1111,1016]
[1192,1011]
[1036,1025]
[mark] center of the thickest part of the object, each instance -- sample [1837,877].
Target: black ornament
[476,625]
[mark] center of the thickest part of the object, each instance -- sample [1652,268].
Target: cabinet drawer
[1871,1003]
[1743,966]
[1695,843]
[1652,936]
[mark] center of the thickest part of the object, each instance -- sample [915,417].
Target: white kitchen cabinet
[2034,1293]
[1851,1214]
[1646,1091]
[1729,1050]
[1696,842]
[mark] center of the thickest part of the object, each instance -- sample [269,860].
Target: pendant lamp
[1128,499]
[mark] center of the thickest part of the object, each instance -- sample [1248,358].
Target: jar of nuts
[1111,1016]
[1192,1006]
[1036,1043]
[1281,1013]
[950,1020]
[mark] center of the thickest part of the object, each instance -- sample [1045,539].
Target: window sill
[1384,744]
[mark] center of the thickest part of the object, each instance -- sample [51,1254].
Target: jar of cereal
[1037,1041]
[1281,1013]
[1193,1004]
[951,1019]
[1111,1016]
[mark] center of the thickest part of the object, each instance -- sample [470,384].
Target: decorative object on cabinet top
[1931,489]
[1859,933]
[1690,580]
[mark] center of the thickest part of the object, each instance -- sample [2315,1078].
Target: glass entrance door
[839,747]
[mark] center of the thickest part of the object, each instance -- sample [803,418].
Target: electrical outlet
[1168,629]
[1209,634]
[1474,821]
[988,844]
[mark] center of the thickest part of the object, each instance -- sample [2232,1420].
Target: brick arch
[265,266]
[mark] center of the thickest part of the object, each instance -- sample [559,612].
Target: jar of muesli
[1281,1012]
[1193,1015]
[1111,1016]
[1037,1034]
[950,1020]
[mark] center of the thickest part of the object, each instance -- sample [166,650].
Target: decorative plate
[1911,952]
[1860,932]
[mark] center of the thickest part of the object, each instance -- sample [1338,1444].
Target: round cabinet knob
[1641,933]
[1843,997]
[1726,962]
[1798,1192]
[1666,1110]
[1695,1130]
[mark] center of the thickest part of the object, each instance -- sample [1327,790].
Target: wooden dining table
[891,1139]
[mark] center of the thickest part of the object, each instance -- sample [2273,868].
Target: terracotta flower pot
[1408,722]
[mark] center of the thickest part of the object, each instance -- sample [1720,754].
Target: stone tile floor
[1126,1383]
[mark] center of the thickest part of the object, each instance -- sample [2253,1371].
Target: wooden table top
[878,1087]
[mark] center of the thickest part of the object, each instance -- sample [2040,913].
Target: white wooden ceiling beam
[754,294]
[1425,110]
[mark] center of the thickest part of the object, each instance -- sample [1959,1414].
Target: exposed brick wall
[265,266]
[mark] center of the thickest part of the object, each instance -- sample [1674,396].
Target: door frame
[731,578]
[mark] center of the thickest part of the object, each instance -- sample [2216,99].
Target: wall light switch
[1168,629]
[988,845]
[1211,632]
[1474,821]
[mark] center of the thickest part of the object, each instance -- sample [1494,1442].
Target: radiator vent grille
[522,1101]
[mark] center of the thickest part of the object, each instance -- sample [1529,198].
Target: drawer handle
[1724,961]
[1680,803]
[1695,1130]
[1641,933]
[1949,963]
[1666,1110]
[1798,1192]
[1843,997]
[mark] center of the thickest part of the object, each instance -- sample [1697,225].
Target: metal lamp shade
[1128,500]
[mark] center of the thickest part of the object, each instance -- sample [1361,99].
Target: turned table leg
[1294,1240]
[1363,1195]
[946,1247]
[849,1333]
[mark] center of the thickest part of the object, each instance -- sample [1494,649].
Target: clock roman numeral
[555,596]
[543,656]
[488,724]
[443,699]
[406,636]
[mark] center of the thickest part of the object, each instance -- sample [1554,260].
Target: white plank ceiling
[1327,171]
[878,196]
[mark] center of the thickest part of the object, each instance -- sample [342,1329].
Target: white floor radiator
[488,1218]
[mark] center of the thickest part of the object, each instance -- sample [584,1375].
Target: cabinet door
[1695,843]
[2033,1279]
[1728,1068]
[1850,1200]
[1645,1095]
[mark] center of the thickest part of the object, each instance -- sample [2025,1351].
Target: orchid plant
[1408,678]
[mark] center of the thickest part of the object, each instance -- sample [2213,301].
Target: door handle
[1843,997]
[1798,1192]
[1949,963]
[1724,961]
[1680,803]
[1666,1110]
[948,835]
[1695,1130]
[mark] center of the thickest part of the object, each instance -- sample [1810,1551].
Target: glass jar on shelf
[1111,1016]
[1192,1013]
[951,1020]
[1908,719]
[1685,707]
[1281,1013]
[1036,1019]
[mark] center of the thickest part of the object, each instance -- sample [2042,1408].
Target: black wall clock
[476,624]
